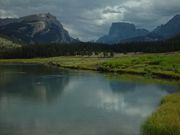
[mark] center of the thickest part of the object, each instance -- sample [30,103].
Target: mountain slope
[163,32]
[168,30]
[38,28]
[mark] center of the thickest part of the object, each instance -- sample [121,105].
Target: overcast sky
[90,19]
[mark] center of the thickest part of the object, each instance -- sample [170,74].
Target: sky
[90,19]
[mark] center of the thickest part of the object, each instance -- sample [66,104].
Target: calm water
[36,100]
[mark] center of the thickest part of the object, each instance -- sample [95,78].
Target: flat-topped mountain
[38,28]
[125,32]
[121,31]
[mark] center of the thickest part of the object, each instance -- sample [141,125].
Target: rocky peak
[47,17]
[170,29]
[176,18]
[174,22]
[37,28]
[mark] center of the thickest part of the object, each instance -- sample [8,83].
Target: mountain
[121,31]
[125,32]
[163,32]
[168,30]
[38,28]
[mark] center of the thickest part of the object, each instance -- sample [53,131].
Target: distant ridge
[125,32]
[168,30]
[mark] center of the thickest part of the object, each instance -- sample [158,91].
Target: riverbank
[164,66]
[166,120]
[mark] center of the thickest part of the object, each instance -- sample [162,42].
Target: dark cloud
[88,19]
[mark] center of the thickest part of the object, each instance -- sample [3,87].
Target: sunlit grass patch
[166,120]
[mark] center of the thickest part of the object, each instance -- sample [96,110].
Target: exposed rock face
[122,31]
[39,28]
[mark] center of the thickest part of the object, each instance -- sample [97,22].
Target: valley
[128,71]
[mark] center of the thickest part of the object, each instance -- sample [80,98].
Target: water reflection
[32,82]
[42,101]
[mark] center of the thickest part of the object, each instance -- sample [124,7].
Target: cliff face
[39,28]
[122,31]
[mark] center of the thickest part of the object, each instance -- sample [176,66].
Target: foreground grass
[154,65]
[166,121]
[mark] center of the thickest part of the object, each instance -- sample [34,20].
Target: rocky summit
[121,31]
[35,29]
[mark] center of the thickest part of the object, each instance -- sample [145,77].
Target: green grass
[165,65]
[153,65]
[166,120]
[142,79]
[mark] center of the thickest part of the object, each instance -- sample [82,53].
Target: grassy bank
[166,120]
[159,65]
[154,65]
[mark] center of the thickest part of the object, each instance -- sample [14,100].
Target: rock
[121,31]
[35,29]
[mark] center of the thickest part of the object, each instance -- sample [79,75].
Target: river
[39,100]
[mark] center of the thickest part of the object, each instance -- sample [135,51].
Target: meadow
[165,65]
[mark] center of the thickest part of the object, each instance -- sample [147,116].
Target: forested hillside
[13,50]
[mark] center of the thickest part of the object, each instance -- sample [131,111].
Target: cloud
[113,10]
[89,20]
[7,14]
[104,15]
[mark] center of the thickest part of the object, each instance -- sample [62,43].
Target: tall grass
[166,120]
